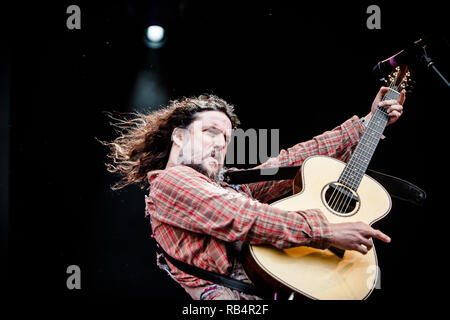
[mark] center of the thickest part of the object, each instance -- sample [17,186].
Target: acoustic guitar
[344,193]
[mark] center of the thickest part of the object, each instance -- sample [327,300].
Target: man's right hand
[355,236]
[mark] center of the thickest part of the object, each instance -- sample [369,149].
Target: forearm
[338,143]
[204,208]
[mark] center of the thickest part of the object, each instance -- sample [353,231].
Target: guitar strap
[210,276]
[397,188]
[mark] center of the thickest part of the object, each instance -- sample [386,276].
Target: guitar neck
[359,162]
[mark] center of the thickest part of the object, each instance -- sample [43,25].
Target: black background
[301,68]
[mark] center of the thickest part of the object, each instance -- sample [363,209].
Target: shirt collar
[152,175]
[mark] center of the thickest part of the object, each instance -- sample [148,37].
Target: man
[199,219]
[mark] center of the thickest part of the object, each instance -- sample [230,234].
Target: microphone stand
[430,64]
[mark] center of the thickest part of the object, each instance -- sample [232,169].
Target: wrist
[367,118]
[364,122]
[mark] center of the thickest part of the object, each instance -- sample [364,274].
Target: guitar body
[315,273]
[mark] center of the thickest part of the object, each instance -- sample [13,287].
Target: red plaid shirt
[193,218]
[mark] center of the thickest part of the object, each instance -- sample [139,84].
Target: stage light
[155,36]
[155,33]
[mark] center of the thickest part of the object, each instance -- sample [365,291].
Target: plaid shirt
[194,218]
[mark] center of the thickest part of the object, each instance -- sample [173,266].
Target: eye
[212,131]
[215,132]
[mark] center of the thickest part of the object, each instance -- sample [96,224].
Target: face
[205,142]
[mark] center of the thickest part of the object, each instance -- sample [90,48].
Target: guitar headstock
[399,79]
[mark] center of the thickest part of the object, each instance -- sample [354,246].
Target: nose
[219,142]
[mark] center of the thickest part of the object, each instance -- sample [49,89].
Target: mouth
[214,158]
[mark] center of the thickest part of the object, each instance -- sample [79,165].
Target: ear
[177,136]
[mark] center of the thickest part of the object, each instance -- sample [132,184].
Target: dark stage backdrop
[301,68]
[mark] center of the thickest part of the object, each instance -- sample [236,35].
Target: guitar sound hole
[340,199]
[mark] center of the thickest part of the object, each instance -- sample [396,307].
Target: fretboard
[357,166]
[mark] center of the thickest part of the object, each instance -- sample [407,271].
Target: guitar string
[360,171]
[343,200]
[352,180]
[336,202]
[374,140]
[351,176]
[380,115]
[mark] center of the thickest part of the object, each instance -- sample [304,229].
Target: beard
[217,176]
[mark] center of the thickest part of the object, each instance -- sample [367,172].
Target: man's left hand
[395,109]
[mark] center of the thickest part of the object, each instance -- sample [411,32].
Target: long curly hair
[144,141]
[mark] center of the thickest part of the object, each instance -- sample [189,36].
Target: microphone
[405,56]
[415,52]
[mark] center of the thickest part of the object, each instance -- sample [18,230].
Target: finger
[393,118]
[394,115]
[396,107]
[387,103]
[381,93]
[381,236]
[402,98]
[360,248]
[367,242]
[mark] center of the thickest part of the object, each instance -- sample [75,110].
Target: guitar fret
[358,164]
